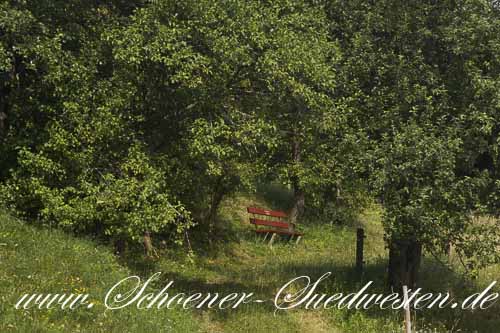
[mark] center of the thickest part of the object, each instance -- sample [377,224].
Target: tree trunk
[404,263]
[298,193]
[147,242]
[298,204]
[5,90]
[120,245]
[217,196]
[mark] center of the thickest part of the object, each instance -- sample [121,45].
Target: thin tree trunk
[5,91]
[120,245]
[298,193]
[215,202]
[298,204]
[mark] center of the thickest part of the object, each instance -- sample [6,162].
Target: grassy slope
[247,265]
[43,261]
[239,264]
[250,265]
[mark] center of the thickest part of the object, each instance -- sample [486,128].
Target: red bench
[272,222]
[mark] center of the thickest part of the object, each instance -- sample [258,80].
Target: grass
[239,263]
[34,260]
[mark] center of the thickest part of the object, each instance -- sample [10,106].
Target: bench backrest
[275,224]
[260,211]
[279,223]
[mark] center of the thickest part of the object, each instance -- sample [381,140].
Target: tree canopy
[124,117]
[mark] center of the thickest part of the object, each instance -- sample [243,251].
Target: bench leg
[265,237]
[272,239]
[298,240]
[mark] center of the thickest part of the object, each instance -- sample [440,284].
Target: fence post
[407,310]
[359,250]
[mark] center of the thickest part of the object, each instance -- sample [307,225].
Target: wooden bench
[272,222]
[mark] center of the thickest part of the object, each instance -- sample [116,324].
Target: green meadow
[36,260]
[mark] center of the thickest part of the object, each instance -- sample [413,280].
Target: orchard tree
[424,77]
[262,99]
[289,62]
[74,131]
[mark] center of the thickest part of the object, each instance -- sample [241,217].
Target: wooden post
[272,239]
[407,310]
[359,250]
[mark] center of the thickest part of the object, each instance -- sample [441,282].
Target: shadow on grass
[267,270]
[435,278]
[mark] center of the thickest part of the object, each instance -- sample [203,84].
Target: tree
[74,129]
[424,76]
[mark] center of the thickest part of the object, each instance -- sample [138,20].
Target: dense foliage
[124,117]
[426,82]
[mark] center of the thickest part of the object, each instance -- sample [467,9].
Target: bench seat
[284,232]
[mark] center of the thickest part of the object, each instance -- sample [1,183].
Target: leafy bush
[122,204]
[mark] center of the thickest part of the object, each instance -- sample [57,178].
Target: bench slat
[259,231]
[275,224]
[260,211]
